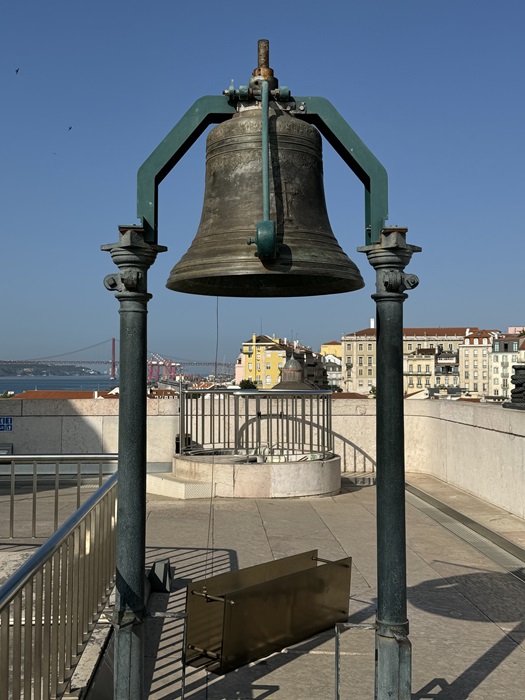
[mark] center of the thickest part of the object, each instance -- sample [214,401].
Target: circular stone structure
[260,475]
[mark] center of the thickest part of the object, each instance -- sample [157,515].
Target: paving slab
[466,610]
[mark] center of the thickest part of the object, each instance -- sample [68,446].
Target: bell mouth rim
[266,285]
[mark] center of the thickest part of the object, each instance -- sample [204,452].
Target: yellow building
[261,360]
[334,347]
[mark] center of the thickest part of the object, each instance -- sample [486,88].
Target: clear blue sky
[434,88]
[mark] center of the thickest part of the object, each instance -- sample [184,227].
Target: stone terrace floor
[466,596]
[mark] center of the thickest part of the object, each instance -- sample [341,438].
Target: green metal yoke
[214,109]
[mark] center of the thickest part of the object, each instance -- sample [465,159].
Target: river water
[83,383]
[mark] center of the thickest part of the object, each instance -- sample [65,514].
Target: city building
[262,359]
[334,347]
[334,371]
[474,362]
[507,350]
[431,359]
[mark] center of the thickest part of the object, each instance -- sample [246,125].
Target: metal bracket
[213,598]
[126,618]
[216,109]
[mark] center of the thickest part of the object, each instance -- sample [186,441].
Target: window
[484,375]
[419,381]
[475,364]
[360,373]
[258,366]
[496,370]
[411,382]
[410,368]
[419,346]
[369,346]
[348,346]
[514,358]
[475,375]
[369,372]
[450,346]
[427,368]
[496,358]
[431,346]
[268,365]
[360,382]
[496,347]
[467,375]
[515,346]
[484,387]
[419,368]
[280,365]
[360,360]
[250,366]
[484,351]
[438,381]
[427,382]
[268,379]
[496,381]
[475,387]
[496,392]
[409,346]
[466,352]
[475,353]
[360,346]
[369,360]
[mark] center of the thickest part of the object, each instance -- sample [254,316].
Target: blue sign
[6,424]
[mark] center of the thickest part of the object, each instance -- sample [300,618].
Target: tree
[247,384]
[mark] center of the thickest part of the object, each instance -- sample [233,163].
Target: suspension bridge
[106,352]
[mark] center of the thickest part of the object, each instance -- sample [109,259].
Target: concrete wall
[479,448]
[78,426]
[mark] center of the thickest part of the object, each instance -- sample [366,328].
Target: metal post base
[393,672]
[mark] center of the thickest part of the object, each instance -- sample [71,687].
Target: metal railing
[38,492]
[246,422]
[51,603]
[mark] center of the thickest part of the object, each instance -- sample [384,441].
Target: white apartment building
[474,362]
[507,350]
[430,357]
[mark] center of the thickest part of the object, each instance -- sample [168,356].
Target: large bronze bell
[309,260]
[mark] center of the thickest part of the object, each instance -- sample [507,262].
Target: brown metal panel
[205,617]
[269,616]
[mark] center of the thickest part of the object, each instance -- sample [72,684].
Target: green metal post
[393,651]
[133,257]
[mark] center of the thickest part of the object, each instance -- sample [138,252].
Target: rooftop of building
[456,332]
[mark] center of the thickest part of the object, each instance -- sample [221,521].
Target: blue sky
[434,88]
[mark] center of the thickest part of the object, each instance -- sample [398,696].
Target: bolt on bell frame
[388,253]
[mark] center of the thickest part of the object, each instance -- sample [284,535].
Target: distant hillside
[41,369]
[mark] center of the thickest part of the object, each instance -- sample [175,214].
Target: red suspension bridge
[106,353]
